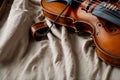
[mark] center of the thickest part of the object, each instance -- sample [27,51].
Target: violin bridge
[111,6]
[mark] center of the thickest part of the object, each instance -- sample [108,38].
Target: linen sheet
[63,56]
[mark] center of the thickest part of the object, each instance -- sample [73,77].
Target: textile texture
[63,56]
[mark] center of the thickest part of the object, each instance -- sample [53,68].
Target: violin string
[95,1]
[107,5]
[56,19]
[108,1]
[82,1]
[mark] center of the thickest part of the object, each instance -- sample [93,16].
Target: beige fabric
[64,56]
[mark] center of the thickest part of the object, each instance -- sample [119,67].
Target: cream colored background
[64,56]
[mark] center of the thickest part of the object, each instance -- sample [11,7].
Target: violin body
[106,35]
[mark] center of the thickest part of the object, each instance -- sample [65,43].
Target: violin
[83,16]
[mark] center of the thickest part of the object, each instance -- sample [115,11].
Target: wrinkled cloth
[63,56]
